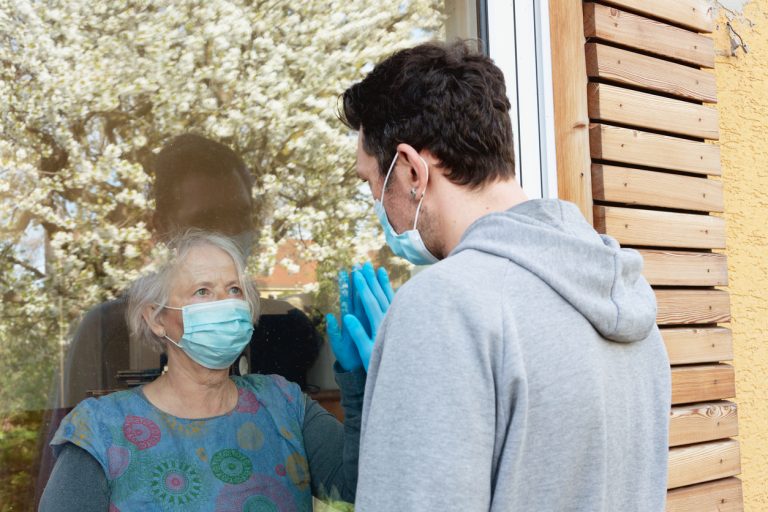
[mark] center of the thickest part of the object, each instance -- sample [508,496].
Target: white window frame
[519,43]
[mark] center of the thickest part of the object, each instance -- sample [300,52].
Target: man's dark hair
[446,98]
[192,154]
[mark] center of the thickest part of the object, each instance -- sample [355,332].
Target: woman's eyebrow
[207,284]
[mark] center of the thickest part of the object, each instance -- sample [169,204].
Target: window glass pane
[94,177]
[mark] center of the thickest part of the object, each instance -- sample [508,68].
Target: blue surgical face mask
[407,244]
[215,333]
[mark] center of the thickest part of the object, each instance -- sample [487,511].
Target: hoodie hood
[551,239]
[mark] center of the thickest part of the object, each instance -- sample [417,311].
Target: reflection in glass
[91,92]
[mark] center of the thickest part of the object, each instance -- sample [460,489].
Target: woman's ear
[153,321]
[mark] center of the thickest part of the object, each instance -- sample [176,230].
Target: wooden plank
[631,226]
[702,383]
[685,307]
[635,147]
[693,14]
[723,495]
[698,423]
[687,345]
[683,268]
[648,188]
[649,35]
[627,67]
[569,89]
[703,463]
[651,112]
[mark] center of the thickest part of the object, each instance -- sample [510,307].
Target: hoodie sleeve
[429,421]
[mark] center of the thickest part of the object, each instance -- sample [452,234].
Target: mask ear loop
[386,178]
[418,208]
[165,335]
[169,339]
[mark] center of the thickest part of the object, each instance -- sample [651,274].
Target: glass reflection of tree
[92,89]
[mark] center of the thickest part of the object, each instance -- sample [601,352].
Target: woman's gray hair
[154,288]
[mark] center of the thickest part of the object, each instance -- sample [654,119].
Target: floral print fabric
[251,459]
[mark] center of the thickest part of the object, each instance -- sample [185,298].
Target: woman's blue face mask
[215,333]
[408,244]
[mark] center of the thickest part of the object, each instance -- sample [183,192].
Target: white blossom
[91,90]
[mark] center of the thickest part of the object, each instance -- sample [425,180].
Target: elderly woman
[197,438]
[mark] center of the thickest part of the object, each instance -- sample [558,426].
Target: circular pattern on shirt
[188,428]
[259,493]
[69,430]
[175,482]
[231,466]
[286,433]
[105,434]
[298,470]
[247,401]
[250,437]
[259,504]
[284,386]
[141,432]
[118,460]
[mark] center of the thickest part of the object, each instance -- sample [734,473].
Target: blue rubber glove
[378,283]
[364,301]
[355,304]
[374,292]
[339,337]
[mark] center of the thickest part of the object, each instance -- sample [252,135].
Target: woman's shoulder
[269,383]
[105,406]
[272,390]
[92,424]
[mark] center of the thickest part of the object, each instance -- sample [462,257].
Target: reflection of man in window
[524,369]
[203,184]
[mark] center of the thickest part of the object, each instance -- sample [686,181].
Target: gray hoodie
[523,372]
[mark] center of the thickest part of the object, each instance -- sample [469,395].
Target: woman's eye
[235,290]
[202,292]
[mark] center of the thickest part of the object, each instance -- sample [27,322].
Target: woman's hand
[364,300]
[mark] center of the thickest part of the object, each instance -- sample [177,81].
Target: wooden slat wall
[656,187]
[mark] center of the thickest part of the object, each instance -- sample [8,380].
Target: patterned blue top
[251,459]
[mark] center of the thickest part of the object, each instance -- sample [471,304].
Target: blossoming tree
[91,90]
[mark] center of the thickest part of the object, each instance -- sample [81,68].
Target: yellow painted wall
[742,82]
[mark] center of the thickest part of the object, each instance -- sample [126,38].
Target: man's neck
[461,206]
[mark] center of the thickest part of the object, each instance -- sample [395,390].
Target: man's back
[524,372]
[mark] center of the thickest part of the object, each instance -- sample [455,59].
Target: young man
[523,370]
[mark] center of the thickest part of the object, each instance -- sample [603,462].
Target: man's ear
[418,177]
[154,322]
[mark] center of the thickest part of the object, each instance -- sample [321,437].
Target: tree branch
[26,266]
